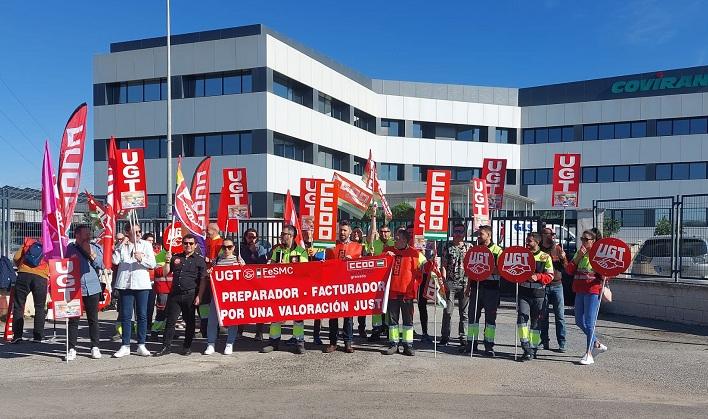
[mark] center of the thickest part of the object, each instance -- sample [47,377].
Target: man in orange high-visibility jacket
[405,276]
[344,249]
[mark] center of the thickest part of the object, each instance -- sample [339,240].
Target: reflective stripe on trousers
[298,330]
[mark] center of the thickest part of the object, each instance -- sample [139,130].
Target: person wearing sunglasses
[225,258]
[587,286]
[287,252]
[188,270]
[453,271]
[134,258]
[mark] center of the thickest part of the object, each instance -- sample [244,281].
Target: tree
[663,227]
[403,211]
[610,227]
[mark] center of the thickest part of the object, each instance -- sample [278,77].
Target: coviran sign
[659,82]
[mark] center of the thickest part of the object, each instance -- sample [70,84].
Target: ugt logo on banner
[479,263]
[516,264]
[566,180]
[610,257]
[65,287]
[494,173]
[437,197]
[308,195]
[132,189]
[233,201]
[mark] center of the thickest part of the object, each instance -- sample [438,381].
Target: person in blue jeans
[134,258]
[226,258]
[554,291]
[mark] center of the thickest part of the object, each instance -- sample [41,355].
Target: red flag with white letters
[71,159]
[566,180]
[325,234]
[200,191]
[494,173]
[130,186]
[233,202]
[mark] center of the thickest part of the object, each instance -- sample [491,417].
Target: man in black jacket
[188,269]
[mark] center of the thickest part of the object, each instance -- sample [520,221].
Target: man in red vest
[344,249]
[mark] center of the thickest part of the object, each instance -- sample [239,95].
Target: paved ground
[652,369]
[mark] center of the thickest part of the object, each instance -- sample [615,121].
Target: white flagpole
[475,321]
[597,313]
[169,114]
[516,334]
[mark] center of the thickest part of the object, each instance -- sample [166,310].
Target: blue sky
[47,48]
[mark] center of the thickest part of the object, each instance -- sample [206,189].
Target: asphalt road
[652,369]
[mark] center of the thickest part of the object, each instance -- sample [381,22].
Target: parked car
[654,257]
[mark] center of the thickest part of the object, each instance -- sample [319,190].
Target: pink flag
[52,225]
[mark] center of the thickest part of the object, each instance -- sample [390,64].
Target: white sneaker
[229,349]
[143,351]
[209,350]
[597,350]
[95,353]
[71,356]
[123,351]
[587,360]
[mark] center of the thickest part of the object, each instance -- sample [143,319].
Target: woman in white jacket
[134,257]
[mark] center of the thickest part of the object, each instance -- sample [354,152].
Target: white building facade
[249,97]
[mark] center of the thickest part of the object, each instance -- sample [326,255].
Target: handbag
[607,294]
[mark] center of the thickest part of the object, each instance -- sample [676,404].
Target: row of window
[136,91]
[217,84]
[625,173]
[616,130]
[192,145]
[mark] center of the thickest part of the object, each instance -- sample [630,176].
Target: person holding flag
[488,300]
[287,251]
[314,254]
[531,295]
[405,275]
[376,241]
[344,249]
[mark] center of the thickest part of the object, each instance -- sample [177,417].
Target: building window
[699,126]
[637,173]
[554,135]
[278,205]
[528,136]
[681,127]
[697,170]
[364,121]
[216,144]
[393,127]
[417,174]
[290,149]
[465,173]
[589,132]
[330,159]
[359,165]
[606,132]
[605,174]
[568,134]
[469,133]
[505,135]
[292,90]
[511,176]
[324,104]
[639,129]
[541,135]
[528,177]
[621,174]
[589,175]
[664,127]
[390,171]
[623,130]
[680,171]
[663,172]
[217,84]
[416,130]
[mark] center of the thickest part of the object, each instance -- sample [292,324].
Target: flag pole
[169,114]
[475,321]
[435,303]
[516,330]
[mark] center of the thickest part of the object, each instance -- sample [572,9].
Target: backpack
[7,273]
[33,255]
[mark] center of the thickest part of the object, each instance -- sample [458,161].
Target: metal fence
[668,236]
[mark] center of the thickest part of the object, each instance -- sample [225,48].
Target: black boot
[489,350]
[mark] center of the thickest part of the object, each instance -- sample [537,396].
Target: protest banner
[300,291]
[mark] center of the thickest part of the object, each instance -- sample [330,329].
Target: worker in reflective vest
[405,276]
[531,295]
